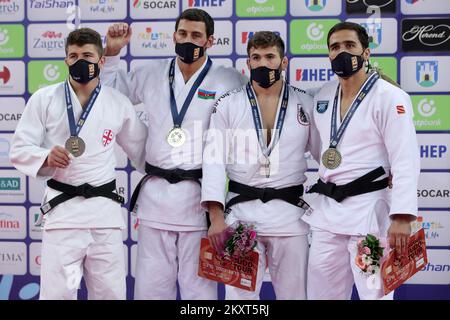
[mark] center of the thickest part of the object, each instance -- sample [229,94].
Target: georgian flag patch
[107,137]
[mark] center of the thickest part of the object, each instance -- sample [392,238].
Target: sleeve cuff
[205,200]
[44,173]
[111,62]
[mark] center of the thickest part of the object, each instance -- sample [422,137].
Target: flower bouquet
[369,255]
[237,263]
[240,240]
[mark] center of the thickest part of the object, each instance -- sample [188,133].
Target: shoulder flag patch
[400,110]
[204,94]
[322,106]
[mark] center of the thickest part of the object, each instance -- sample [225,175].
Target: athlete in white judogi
[172,221]
[379,133]
[258,145]
[82,225]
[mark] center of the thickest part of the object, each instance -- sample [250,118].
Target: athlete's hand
[218,225]
[390,185]
[118,36]
[399,233]
[57,158]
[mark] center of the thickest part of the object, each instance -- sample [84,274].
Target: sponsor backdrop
[410,41]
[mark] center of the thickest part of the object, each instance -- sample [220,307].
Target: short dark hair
[83,36]
[265,39]
[195,14]
[360,31]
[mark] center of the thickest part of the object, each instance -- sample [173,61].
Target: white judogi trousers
[96,254]
[332,270]
[168,256]
[282,254]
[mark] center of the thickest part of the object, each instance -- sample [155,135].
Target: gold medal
[331,158]
[75,145]
[176,137]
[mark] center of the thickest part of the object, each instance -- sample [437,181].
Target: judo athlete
[67,135]
[258,136]
[178,95]
[366,131]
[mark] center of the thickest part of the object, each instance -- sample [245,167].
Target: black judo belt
[364,184]
[172,176]
[85,190]
[291,195]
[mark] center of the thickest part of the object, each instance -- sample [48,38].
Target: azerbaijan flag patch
[204,94]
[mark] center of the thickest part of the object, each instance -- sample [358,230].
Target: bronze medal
[75,145]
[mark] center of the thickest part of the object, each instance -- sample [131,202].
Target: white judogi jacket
[379,134]
[44,124]
[232,149]
[160,204]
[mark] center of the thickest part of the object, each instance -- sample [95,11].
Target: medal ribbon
[75,129]
[257,119]
[178,117]
[335,137]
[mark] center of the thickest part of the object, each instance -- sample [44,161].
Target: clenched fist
[118,36]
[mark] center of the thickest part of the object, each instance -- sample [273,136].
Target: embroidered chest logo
[302,117]
[107,137]
[322,106]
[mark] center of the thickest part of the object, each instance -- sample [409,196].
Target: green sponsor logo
[387,65]
[431,112]
[310,36]
[261,8]
[12,41]
[44,73]
[9,183]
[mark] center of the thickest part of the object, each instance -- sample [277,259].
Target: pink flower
[366,250]
[252,234]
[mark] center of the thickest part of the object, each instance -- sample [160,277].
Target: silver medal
[176,137]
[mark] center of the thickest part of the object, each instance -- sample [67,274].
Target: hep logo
[247,35]
[205,3]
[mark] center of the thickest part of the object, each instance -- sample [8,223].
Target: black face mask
[84,71]
[346,64]
[265,77]
[189,52]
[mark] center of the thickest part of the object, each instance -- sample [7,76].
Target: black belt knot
[292,195]
[85,190]
[363,184]
[170,175]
